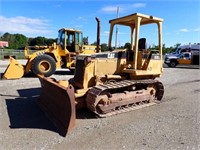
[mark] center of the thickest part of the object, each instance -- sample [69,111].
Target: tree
[20,41]
[41,41]
[177,45]
[50,41]
[16,41]
[94,43]
[127,46]
[104,47]
[38,41]
[85,40]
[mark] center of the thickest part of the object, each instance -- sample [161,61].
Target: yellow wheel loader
[46,60]
[108,83]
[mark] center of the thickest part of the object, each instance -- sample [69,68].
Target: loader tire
[44,65]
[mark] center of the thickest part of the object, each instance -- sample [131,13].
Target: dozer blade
[58,103]
[15,70]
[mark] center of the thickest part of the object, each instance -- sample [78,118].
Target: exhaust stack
[98,35]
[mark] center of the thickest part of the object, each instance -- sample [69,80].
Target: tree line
[19,41]
[104,47]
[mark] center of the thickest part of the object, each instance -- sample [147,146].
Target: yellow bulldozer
[108,83]
[49,58]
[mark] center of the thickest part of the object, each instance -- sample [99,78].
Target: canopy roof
[130,19]
[69,29]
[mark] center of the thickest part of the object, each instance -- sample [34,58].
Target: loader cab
[141,62]
[70,40]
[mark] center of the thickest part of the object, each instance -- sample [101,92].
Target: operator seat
[142,44]
[142,52]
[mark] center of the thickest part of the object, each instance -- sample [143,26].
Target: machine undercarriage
[123,96]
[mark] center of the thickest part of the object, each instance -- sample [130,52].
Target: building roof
[3,44]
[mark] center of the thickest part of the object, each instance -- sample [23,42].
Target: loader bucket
[15,70]
[58,102]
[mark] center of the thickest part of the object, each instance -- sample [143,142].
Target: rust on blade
[58,103]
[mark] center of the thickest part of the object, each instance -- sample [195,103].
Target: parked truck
[186,48]
[184,58]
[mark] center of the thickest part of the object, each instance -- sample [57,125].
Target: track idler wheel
[159,91]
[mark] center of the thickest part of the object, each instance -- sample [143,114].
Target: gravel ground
[172,124]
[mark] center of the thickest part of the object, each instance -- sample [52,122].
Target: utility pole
[116,29]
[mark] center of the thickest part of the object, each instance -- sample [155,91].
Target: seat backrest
[142,44]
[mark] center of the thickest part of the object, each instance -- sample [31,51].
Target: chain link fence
[18,54]
[5,53]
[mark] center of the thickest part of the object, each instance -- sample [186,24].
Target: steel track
[99,89]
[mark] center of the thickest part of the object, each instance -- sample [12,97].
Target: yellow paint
[56,51]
